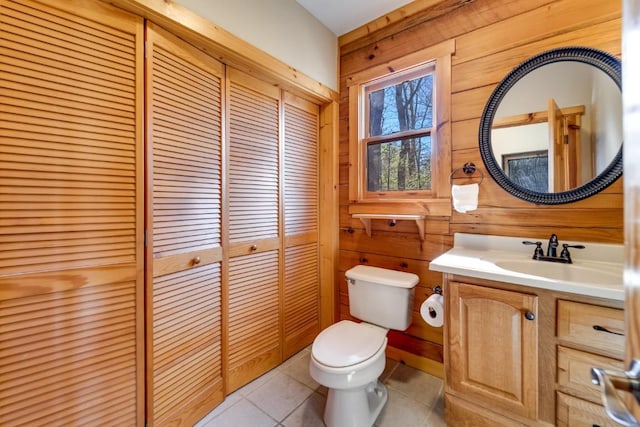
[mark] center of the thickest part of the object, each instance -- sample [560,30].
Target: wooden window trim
[437,201]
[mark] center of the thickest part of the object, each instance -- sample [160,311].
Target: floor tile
[308,414]
[287,396]
[228,402]
[415,384]
[400,410]
[257,383]
[242,414]
[279,395]
[297,367]
[436,418]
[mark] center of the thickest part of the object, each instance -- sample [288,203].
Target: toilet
[348,357]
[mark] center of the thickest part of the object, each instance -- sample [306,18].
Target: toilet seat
[348,343]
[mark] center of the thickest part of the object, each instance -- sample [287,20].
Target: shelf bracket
[367,225]
[366,221]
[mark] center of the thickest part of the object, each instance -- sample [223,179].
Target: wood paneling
[184,143]
[491,37]
[71,214]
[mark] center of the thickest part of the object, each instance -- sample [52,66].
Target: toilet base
[355,407]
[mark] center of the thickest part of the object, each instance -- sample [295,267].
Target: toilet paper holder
[437,289]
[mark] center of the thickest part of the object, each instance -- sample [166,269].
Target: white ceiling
[342,16]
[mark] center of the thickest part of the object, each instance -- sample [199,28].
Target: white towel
[465,197]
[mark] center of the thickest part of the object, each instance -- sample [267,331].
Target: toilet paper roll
[432,310]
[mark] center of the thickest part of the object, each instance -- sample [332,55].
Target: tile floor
[287,396]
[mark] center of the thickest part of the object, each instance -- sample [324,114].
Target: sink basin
[598,274]
[597,270]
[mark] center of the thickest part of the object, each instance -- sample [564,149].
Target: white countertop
[492,257]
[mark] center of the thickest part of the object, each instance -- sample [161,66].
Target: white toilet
[348,357]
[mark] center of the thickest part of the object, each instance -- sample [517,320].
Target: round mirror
[551,131]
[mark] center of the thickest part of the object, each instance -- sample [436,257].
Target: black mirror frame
[604,61]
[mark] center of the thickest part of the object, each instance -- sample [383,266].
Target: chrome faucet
[565,256]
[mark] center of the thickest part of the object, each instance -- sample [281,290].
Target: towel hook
[469,169]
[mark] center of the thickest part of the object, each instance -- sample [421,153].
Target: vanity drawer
[592,326]
[574,412]
[574,372]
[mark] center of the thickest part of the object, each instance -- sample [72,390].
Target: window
[398,122]
[399,148]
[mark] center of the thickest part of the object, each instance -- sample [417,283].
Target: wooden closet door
[253,234]
[301,270]
[184,143]
[71,220]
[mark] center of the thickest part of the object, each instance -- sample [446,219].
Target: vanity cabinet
[521,356]
[492,347]
[588,335]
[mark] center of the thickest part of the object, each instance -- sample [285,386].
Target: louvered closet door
[253,232]
[184,119]
[301,283]
[71,237]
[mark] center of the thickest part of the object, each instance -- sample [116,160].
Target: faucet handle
[537,252]
[565,250]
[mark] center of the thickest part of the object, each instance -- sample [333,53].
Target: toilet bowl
[355,397]
[348,357]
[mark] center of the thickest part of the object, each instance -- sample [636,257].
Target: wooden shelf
[366,220]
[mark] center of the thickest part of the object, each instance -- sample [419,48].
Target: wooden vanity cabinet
[521,356]
[492,348]
[588,335]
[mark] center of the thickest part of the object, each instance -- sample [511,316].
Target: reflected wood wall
[492,37]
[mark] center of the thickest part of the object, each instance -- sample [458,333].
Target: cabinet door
[301,282]
[184,143]
[253,232]
[493,347]
[71,214]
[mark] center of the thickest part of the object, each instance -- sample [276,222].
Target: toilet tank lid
[383,276]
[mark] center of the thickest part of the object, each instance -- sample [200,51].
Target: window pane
[405,106]
[402,165]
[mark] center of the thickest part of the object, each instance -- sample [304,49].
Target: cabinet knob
[254,247]
[529,315]
[196,260]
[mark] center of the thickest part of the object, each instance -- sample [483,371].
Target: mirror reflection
[558,127]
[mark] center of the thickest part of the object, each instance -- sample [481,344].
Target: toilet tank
[381,296]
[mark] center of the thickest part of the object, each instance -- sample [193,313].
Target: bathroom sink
[607,274]
[597,269]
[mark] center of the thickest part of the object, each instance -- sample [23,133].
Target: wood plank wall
[492,37]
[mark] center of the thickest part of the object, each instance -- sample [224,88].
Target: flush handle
[609,382]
